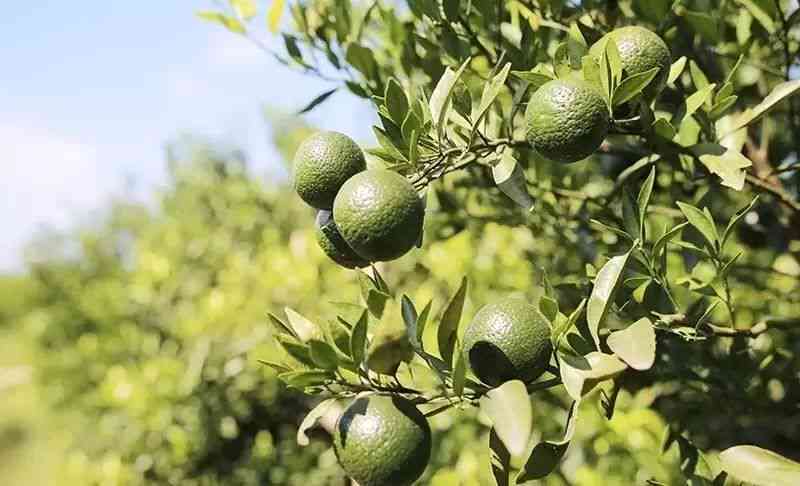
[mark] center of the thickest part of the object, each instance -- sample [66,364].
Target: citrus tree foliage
[676,263]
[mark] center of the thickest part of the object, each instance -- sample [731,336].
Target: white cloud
[48,180]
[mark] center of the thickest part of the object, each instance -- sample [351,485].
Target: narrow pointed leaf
[602,298]
[701,223]
[448,327]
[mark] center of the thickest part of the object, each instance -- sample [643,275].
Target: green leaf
[580,374]
[622,234]
[291,47]
[676,69]
[561,64]
[635,345]
[664,128]
[610,68]
[510,179]
[698,99]
[280,325]
[781,91]
[757,11]
[760,466]
[459,371]
[630,215]
[451,9]
[509,408]
[396,102]
[500,459]
[728,164]
[303,328]
[317,101]
[640,291]
[274,15]
[448,327]
[304,379]
[633,85]
[704,24]
[735,220]
[643,199]
[548,307]
[230,23]
[661,243]
[605,288]
[440,98]
[275,366]
[698,76]
[358,339]
[535,78]
[547,454]
[362,59]
[422,320]
[323,355]
[312,418]
[701,222]
[410,319]
[295,349]
[490,92]
[722,106]
[245,9]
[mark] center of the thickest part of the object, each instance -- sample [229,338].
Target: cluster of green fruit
[364,215]
[376,215]
[384,439]
[567,119]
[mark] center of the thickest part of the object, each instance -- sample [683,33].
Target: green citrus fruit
[567,120]
[640,50]
[322,164]
[508,340]
[332,243]
[379,214]
[382,440]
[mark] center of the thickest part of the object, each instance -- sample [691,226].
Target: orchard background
[132,348]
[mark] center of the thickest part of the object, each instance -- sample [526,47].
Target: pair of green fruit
[567,119]
[364,215]
[386,440]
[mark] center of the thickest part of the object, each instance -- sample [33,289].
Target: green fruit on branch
[508,340]
[332,243]
[640,50]
[566,120]
[382,440]
[379,214]
[322,164]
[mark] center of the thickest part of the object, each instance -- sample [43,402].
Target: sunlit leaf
[312,418]
[778,94]
[509,408]
[760,466]
[510,179]
[635,345]
[602,298]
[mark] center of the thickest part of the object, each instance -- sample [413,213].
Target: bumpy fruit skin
[379,214]
[640,51]
[508,340]
[382,440]
[323,162]
[332,243]
[567,120]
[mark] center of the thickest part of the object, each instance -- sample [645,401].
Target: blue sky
[92,90]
